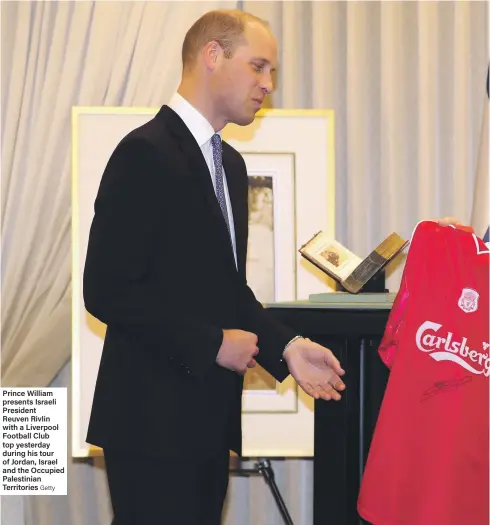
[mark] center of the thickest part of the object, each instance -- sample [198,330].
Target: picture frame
[271,272]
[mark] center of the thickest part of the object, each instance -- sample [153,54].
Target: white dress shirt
[202,131]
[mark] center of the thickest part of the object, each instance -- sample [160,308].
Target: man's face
[240,83]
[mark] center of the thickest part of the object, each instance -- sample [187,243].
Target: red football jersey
[428,460]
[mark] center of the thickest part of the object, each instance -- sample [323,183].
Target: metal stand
[263,466]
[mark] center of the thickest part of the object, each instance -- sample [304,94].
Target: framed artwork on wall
[270,266]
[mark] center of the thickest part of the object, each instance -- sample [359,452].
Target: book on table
[347,268]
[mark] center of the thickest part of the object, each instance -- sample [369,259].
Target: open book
[345,267]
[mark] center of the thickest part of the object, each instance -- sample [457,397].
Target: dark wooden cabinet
[343,429]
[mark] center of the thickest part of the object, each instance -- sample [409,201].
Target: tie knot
[217,151]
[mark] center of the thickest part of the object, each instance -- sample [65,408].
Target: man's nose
[267,84]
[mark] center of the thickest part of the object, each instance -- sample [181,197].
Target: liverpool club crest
[468,302]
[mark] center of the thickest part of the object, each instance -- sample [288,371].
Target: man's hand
[446,221]
[315,368]
[237,351]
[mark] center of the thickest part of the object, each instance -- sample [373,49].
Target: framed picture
[271,272]
[290,162]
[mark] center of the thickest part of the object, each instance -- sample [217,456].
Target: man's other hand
[237,351]
[446,221]
[316,370]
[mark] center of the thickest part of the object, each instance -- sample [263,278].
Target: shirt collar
[200,128]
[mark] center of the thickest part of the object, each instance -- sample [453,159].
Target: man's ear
[212,53]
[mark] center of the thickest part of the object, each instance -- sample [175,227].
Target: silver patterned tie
[218,168]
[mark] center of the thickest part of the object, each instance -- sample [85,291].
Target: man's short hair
[225,26]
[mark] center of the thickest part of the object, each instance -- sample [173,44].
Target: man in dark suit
[165,270]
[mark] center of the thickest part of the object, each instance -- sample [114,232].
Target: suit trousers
[166,491]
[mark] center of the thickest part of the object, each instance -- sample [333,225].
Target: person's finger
[330,388]
[446,221]
[327,392]
[240,371]
[324,392]
[337,383]
[308,388]
[334,363]
[330,359]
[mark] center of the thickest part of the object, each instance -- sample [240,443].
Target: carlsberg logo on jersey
[449,348]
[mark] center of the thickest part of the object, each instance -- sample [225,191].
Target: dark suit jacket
[160,273]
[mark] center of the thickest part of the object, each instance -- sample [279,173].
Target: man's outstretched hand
[316,370]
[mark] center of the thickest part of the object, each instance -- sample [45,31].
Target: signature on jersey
[446,385]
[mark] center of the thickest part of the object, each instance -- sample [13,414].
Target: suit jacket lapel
[200,172]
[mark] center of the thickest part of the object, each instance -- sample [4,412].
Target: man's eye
[258,67]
